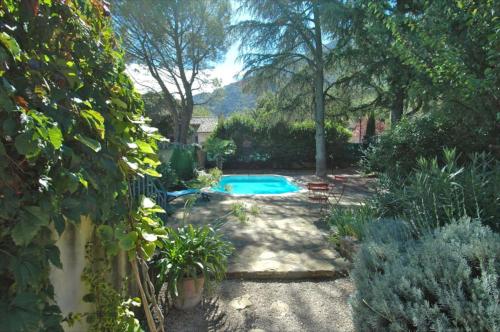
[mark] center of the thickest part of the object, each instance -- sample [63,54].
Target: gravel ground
[270,306]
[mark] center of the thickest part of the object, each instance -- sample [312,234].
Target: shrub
[397,150]
[219,150]
[206,179]
[72,136]
[183,162]
[446,281]
[281,144]
[432,195]
[350,221]
[169,178]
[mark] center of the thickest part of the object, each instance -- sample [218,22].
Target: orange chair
[322,192]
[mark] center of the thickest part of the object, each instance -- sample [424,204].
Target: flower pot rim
[191,278]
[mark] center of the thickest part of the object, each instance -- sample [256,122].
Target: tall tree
[177,41]
[363,58]
[283,40]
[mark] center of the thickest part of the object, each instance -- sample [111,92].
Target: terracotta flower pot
[190,293]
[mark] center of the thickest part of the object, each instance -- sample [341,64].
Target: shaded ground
[287,239]
[270,306]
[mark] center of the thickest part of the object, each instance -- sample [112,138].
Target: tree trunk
[398,105]
[186,114]
[319,100]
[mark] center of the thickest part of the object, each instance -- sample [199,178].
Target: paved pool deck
[287,239]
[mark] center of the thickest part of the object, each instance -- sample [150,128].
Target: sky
[226,72]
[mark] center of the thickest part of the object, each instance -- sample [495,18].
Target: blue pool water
[255,185]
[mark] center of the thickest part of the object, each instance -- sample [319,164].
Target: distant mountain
[231,99]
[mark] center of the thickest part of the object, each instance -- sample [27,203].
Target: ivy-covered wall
[72,135]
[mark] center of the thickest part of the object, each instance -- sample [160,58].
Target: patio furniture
[323,192]
[150,187]
[171,195]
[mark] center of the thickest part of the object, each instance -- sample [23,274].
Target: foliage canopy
[72,135]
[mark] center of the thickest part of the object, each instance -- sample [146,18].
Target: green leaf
[95,120]
[150,221]
[89,298]
[145,147]
[54,256]
[27,267]
[151,172]
[105,232]
[147,203]
[25,145]
[10,44]
[149,249]
[118,102]
[113,248]
[26,229]
[127,242]
[59,224]
[55,137]
[39,214]
[150,237]
[22,314]
[91,143]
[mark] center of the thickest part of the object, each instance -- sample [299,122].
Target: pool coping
[290,179]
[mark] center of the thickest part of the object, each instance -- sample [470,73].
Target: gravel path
[270,306]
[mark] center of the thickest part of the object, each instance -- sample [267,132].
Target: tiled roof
[206,124]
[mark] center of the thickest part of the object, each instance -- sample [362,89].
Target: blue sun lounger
[171,195]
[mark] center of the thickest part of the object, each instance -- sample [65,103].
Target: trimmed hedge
[282,145]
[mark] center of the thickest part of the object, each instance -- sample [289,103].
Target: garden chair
[324,193]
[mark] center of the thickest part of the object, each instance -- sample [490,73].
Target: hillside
[231,99]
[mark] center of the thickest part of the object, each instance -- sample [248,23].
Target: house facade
[202,127]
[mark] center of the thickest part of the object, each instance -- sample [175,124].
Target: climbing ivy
[72,136]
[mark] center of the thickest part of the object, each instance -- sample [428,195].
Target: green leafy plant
[169,178]
[447,280]
[72,136]
[183,162]
[350,221]
[190,252]
[281,144]
[433,195]
[206,179]
[397,150]
[219,150]
[112,313]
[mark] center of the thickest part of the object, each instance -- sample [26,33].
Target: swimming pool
[255,185]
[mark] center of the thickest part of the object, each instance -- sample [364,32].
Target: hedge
[283,144]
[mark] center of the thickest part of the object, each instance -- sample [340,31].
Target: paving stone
[241,302]
[286,239]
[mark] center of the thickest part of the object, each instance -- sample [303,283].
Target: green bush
[281,144]
[350,221]
[190,252]
[205,179]
[431,195]
[72,137]
[219,150]
[169,178]
[183,162]
[397,150]
[448,280]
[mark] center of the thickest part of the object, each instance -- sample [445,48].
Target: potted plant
[190,257]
